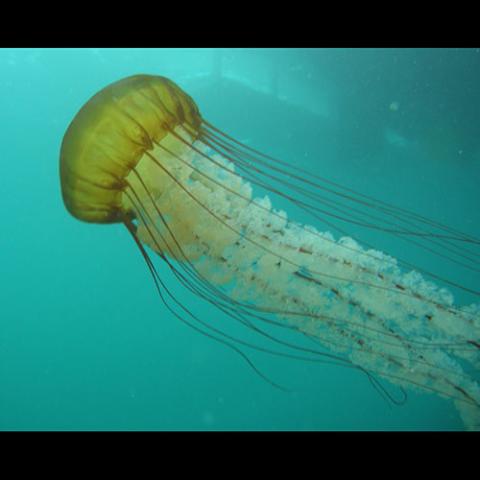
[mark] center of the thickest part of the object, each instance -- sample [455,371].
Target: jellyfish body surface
[140,153]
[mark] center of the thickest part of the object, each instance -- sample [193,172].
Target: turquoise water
[85,342]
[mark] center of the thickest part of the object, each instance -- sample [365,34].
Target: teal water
[85,342]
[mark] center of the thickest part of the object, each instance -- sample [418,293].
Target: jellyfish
[139,153]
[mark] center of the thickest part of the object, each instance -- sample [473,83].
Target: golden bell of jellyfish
[109,137]
[140,153]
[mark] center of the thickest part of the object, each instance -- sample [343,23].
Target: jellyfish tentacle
[391,357]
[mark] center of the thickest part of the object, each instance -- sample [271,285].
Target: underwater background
[85,342]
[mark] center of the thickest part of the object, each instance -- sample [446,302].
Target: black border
[228,23]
